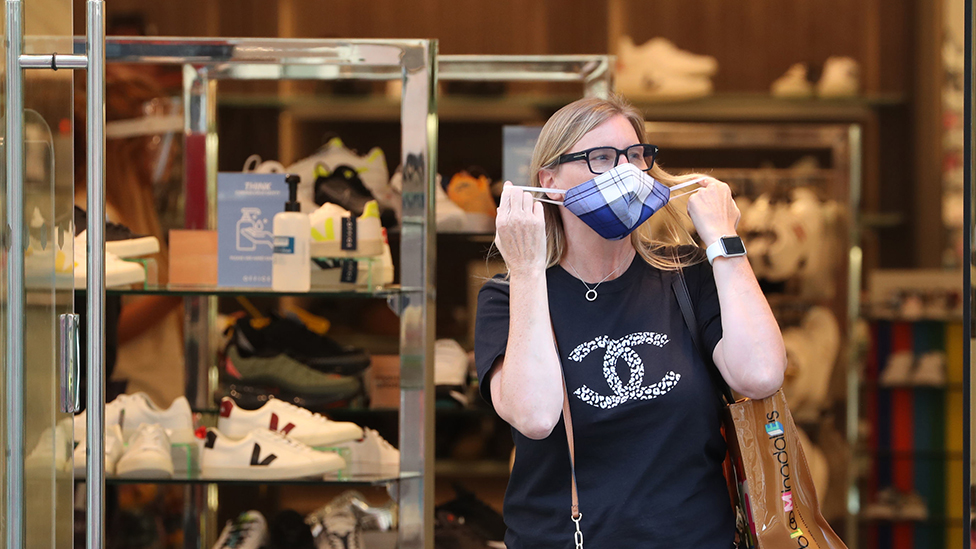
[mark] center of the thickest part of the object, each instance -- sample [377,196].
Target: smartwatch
[726,246]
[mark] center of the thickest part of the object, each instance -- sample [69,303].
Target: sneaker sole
[333,248]
[158,467]
[331,465]
[133,247]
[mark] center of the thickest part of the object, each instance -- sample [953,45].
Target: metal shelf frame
[205,62]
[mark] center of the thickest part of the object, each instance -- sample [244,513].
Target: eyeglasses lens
[604,159]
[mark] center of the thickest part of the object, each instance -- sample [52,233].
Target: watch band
[717,249]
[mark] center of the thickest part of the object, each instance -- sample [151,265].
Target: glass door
[37,280]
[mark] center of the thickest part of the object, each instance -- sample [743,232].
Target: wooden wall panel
[755,41]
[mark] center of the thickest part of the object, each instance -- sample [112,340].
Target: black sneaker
[344,187]
[475,514]
[289,531]
[453,532]
[285,336]
[119,239]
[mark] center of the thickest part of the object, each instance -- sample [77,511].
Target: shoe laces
[279,437]
[384,444]
[151,434]
[303,411]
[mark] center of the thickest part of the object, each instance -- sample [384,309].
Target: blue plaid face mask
[616,202]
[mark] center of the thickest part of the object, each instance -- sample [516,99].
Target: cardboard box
[192,258]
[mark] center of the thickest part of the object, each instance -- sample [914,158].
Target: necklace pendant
[591,294]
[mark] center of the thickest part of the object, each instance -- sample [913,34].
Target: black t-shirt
[646,417]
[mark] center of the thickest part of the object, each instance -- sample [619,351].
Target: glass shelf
[521,108]
[329,480]
[188,291]
[876,386]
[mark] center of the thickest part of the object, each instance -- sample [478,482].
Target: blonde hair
[658,239]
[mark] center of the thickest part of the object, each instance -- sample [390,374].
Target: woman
[150,328]
[646,412]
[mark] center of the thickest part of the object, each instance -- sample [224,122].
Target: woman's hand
[713,211]
[520,231]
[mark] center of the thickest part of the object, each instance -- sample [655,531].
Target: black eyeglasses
[604,159]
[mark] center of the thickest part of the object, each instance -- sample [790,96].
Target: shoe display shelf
[797,186]
[910,445]
[205,63]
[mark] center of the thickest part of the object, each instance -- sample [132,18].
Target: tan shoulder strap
[568,423]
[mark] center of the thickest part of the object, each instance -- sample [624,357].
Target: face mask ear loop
[693,191]
[546,200]
[538,189]
[683,185]
[541,190]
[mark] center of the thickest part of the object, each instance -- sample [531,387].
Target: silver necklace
[591,294]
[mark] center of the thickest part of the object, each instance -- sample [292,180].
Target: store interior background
[910,141]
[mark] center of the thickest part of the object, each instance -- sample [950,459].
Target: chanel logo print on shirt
[616,349]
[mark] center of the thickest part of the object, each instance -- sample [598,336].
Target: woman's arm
[143,313]
[751,355]
[526,383]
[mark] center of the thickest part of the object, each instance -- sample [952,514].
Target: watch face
[733,245]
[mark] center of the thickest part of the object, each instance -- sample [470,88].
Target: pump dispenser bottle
[291,266]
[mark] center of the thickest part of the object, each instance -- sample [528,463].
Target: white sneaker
[651,84]
[51,261]
[148,454]
[293,421]
[662,54]
[786,251]
[839,78]
[135,409]
[450,369]
[898,370]
[930,369]
[793,83]
[54,446]
[912,507]
[248,531]
[331,237]
[265,455]
[370,455]
[371,169]
[114,448]
[117,271]
[253,164]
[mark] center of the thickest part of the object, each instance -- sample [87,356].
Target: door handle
[70,363]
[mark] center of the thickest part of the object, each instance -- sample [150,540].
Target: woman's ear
[547,180]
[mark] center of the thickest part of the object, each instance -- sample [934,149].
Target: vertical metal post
[95,484]
[417,262]
[967,277]
[599,82]
[15,275]
[200,184]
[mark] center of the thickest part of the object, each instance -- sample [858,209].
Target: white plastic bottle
[291,264]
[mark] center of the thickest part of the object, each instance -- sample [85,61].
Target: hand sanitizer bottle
[291,267]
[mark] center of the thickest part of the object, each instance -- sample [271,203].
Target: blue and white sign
[246,206]
[517,145]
